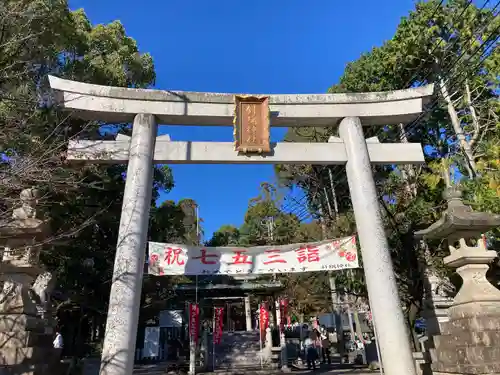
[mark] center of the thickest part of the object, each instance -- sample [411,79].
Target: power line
[459,73]
[422,62]
[451,89]
[456,40]
[487,44]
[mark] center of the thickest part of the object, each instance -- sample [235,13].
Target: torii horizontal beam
[170,152]
[118,104]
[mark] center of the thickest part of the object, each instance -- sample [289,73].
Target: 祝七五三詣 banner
[173,259]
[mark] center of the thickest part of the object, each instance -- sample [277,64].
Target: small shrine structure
[241,341]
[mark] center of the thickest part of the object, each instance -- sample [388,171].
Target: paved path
[334,369]
[323,370]
[352,371]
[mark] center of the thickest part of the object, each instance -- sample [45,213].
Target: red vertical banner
[283,312]
[194,321]
[218,324]
[263,320]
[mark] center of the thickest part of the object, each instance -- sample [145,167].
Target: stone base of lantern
[28,353]
[470,341]
[469,346]
[20,323]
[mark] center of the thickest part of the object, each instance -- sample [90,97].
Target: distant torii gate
[147,108]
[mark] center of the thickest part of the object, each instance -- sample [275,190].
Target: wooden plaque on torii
[251,124]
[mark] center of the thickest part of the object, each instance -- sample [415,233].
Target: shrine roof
[232,289]
[459,220]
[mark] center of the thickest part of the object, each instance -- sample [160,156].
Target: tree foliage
[266,223]
[82,202]
[454,46]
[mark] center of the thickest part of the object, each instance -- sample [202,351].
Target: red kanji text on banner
[171,259]
[194,321]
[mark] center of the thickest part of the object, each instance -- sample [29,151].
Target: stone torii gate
[252,117]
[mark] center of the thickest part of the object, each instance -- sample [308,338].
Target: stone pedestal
[267,350]
[248,314]
[25,342]
[26,347]
[469,342]
[437,301]
[204,354]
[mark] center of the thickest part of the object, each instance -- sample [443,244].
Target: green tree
[83,202]
[226,235]
[266,223]
[454,46]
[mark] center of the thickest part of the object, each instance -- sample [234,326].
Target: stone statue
[15,297]
[8,290]
[41,290]
[29,200]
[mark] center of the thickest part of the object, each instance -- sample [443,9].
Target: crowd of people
[315,347]
[317,344]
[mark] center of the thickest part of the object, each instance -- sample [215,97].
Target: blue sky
[238,46]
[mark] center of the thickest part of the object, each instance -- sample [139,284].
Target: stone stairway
[237,350]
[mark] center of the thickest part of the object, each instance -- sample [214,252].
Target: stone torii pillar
[126,287]
[145,107]
[381,284]
[248,314]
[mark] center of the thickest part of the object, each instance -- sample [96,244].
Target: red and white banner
[218,324]
[194,321]
[172,259]
[263,320]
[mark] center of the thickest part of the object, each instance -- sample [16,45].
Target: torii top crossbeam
[117,104]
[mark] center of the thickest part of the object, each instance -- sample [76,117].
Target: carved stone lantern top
[24,222]
[29,200]
[21,236]
[459,223]
[458,220]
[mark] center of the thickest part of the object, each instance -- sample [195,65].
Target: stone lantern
[25,334]
[469,341]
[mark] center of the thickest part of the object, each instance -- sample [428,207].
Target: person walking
[58,346]
[310,349]
[325,347]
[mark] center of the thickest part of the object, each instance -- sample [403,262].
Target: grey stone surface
[228,98]
[469,341]
[116,104]
[124,302]
[437,300]
[25,339]
[248,314]
[459,220]
[175,152]
[396,353]
[236,350]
